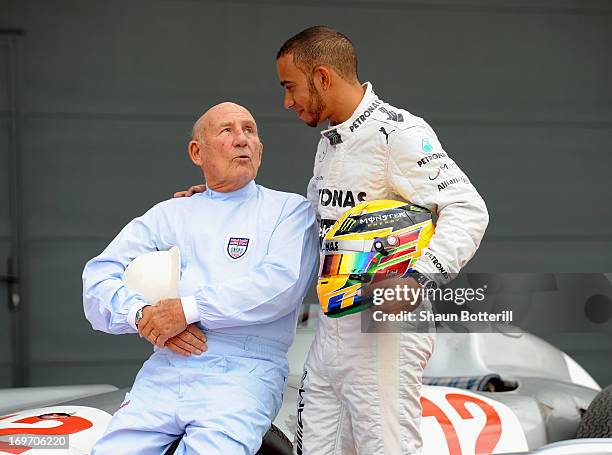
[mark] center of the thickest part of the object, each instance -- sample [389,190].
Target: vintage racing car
[476,400]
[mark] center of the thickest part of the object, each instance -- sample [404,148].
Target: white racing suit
[360,392]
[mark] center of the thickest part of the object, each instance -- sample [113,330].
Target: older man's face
[230,149]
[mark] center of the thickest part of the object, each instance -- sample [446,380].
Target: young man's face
[301,94]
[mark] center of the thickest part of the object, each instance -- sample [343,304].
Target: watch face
[419,278]
[424,281]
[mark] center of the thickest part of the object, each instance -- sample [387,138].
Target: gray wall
[518,92]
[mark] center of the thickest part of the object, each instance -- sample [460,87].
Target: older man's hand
[190,341]
[162,321]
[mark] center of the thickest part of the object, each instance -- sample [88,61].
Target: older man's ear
[194,148]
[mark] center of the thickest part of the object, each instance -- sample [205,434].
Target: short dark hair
[321,45]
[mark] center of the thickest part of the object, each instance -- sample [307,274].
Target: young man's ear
[194,148]
[322,77]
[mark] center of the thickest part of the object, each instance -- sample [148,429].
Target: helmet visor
[346,263]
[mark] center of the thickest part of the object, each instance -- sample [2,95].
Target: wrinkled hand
[191,191]
[162,321]
[190,341]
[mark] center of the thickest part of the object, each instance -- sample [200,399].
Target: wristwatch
[423,280]
[139,315]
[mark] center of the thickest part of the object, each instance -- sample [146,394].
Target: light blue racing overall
[247,258]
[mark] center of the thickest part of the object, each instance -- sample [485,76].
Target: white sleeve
[311,192]
[110,306]
[420,171]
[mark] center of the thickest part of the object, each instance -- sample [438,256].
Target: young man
[361,391]
[247,256]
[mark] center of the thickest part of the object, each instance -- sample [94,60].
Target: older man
[248,254]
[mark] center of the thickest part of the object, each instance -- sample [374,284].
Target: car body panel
[537,409]
[30,397]
[524,354]
[82,425]
[589,446]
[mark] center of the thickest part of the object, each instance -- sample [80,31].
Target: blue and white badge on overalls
[236,247]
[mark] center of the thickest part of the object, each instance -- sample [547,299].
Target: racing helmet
[155,275]
[371,242]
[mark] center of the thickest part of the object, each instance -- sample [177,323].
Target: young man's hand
[394,295]
[191,191]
